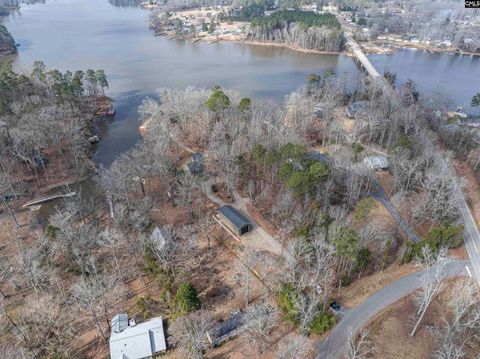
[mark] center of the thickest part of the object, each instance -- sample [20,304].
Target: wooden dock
[48,199]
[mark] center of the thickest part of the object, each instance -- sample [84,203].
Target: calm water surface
[82,34]
[457,76]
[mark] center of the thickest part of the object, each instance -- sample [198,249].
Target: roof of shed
[234,216]
[196,163]
[228,326]
[317,156]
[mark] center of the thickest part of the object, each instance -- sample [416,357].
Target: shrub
[363,208]
[51,231]
[363,259]
[150,265]
[303,231]
[323,321]
[143,304]
[362,21]
[447,235]
[217,101]
[258,153]
[187,299]
[441,236]
[346,280]
[286,298]
[357,148]
[244,105]
[285,171]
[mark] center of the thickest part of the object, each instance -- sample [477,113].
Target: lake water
[455,75]
[82,34]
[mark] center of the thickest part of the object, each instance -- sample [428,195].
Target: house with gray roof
[357,109]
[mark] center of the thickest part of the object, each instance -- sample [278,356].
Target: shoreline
[287,46]
[386,48]
[381,49]
[213,40]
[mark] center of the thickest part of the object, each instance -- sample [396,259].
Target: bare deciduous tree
[189,333]
[243,275]
[293,347]
[433,265]
[259,322]
[96,295]
[358,346]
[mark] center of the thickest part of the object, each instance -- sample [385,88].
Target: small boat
[94,139]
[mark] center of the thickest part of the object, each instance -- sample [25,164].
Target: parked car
[335,307]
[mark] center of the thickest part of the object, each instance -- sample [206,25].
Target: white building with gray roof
[129,340]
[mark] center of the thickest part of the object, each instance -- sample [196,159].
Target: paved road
[377,192]
[358,317]
[471,237]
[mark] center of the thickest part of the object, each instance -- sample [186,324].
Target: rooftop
[226,329]
[138,341]
[317,156]
[377,162]
[234,216]
[357,108]
[195,165]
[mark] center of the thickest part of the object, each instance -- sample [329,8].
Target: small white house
[377,163]
[129,340]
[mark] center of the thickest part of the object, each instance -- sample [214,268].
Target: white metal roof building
[377,163]
[136,341]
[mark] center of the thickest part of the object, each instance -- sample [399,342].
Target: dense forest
[305,19]
[44,125]
[303,29]
[7,43]
[248,12]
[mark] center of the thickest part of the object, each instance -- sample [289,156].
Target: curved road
[471,236]
[359,316]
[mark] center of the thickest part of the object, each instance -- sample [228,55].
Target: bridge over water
[364,61]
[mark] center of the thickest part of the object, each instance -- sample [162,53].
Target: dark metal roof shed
[225,329]
[318,156]
[196,164]
[234,216]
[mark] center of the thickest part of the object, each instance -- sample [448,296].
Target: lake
[458,76]
[82,34]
